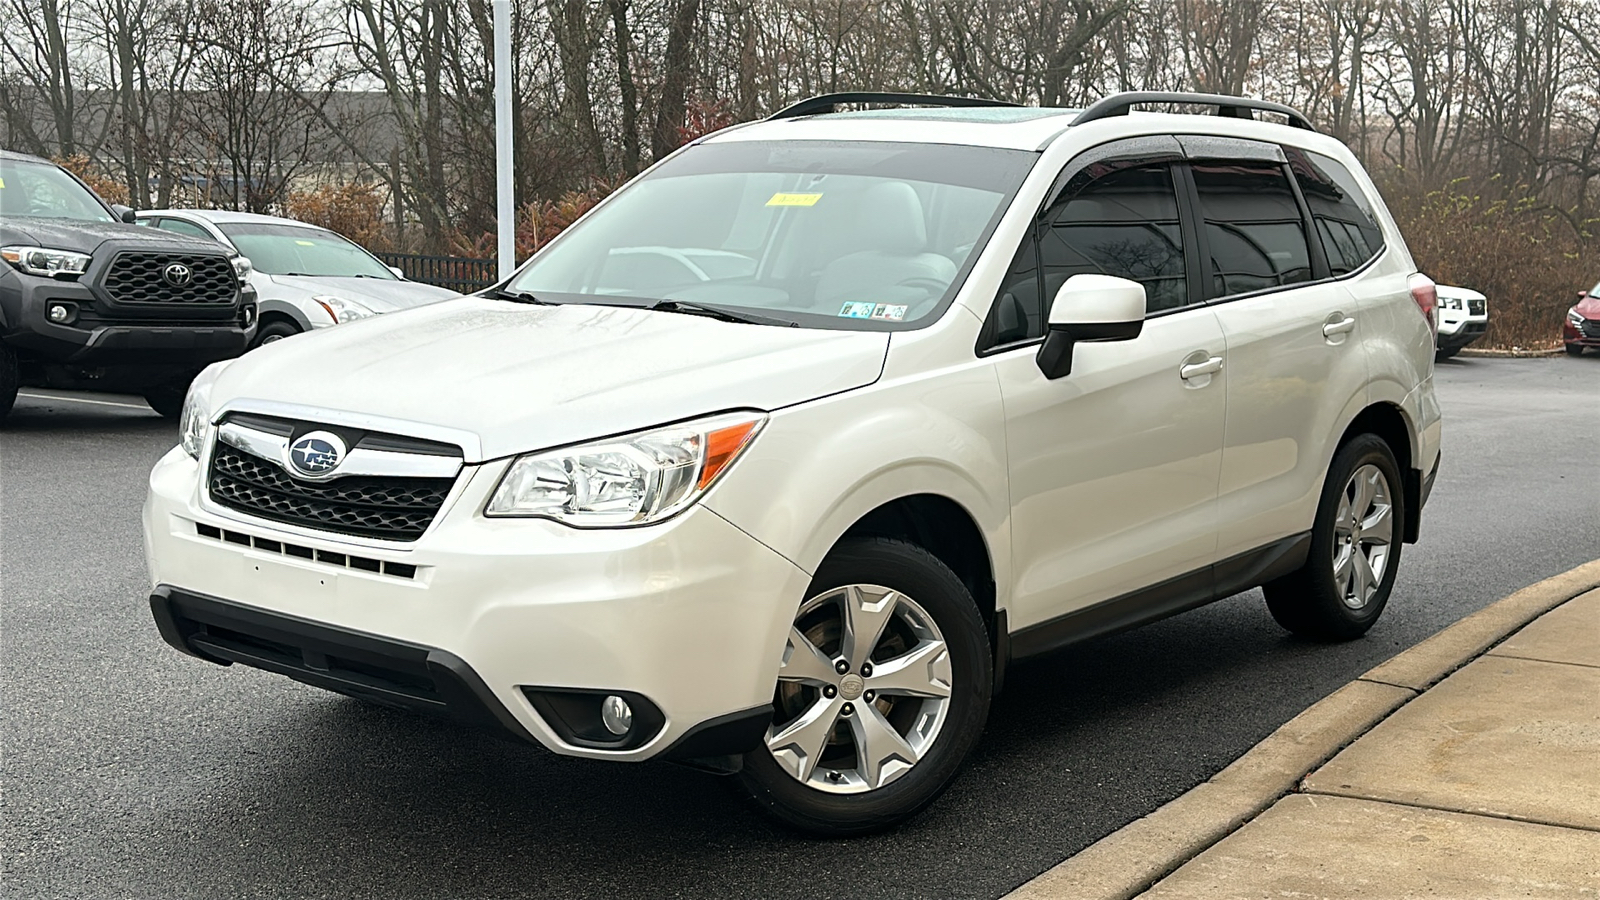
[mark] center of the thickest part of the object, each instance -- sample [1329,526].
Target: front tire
[167,399]
[1355,548]
[1442,354]
[1574,349]
[883,692]
[273,330]
[10,380]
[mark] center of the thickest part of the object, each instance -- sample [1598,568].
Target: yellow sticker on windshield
[2,184]
[794,199]
[306,243]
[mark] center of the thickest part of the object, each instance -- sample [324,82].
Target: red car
[1582,328]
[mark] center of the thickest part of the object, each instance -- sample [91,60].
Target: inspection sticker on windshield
[887,312]
[781,199]
[305,243]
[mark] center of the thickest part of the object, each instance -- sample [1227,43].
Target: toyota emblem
[177,275]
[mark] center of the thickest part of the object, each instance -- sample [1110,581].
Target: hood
[1589,307]
[376,294]
[85,236]
[526,378]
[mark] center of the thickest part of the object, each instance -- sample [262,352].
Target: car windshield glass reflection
[818,233]
[35,189]
[288,250]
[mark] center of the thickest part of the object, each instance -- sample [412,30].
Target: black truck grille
[395,509]
[141,277]
[1475,306]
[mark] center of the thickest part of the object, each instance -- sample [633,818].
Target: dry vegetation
[1480,118]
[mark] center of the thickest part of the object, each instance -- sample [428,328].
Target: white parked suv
[1463,318]
[776,460]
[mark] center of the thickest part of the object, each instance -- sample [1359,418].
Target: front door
[1114,467]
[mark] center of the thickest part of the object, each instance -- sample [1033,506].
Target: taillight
[1426,295]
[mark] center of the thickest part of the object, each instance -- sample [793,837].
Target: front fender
[818,468]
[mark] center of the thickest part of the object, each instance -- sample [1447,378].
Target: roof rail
[1231,107]
[826,102]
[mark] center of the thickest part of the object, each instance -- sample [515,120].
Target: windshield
[863,235]
[41,189]
[297,250]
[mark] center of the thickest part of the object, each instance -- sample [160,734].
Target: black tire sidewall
[10,380]
[281,328]
[919,575]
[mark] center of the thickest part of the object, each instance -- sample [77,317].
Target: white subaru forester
[775,460]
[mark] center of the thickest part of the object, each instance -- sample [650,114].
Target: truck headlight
[631,480]
[341,310]
[45,261]
[242,268]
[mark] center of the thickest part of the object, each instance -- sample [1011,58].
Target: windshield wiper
[713,312]
[520,297]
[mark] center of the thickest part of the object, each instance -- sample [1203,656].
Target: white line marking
[33,396]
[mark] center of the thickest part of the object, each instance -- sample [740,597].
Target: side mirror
[398,272]
[1582,296]
[1090,308]
[125,213]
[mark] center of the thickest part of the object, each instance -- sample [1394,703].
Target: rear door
[1295,358]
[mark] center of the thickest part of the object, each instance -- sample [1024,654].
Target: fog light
[616,715]
[59,313]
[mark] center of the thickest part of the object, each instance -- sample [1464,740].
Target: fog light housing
[60,313]
[247,315]
[601,720]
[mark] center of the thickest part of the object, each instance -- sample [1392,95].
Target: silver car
[306,277]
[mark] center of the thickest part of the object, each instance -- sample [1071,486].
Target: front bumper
[1586,336]
[1467,332]
[691,614]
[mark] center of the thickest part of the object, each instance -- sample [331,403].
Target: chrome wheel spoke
[924,672]
[798,747]
[880,750]
[1343,517]
[1378,528]
[1364,578]
[866,614]
[1366,482]
[1343,570]
[803,662]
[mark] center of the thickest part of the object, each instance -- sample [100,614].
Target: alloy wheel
[863,692]
[1363,535]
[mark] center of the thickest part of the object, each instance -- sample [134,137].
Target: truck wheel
[167,399]
[1441,354]
[1574,349]
[8,380]
[884,689]
[1355,548]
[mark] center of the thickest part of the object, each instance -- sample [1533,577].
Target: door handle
[1342,326]
[1194,370]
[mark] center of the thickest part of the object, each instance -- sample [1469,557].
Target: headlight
[1574,317]
[195,419]
[46,262]
[631,480]
[341,310]
[1450,302]
[194,422]
[241,268]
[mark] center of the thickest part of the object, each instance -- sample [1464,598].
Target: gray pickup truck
[89,301]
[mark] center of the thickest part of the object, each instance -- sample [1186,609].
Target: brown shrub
[1528,259]
[353,209]
[109,189]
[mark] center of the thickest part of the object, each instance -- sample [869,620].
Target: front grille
[136,277]
[1591,328]
[1476,306]
[395,509]
[341,560]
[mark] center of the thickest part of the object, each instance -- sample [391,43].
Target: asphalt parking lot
[131,771]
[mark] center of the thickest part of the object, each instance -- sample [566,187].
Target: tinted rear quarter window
[1253,227]
[1345,222]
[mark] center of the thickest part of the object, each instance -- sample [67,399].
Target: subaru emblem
[316,455]
[177,274]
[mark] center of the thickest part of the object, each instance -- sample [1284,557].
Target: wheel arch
[1389,422]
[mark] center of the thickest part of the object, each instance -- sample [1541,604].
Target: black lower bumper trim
[383,670]
[727,735]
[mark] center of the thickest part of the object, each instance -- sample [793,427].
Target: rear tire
[1355,548]
[1574,349]
[918,685]
[9,380]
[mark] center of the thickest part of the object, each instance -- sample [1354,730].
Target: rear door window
[1253,227]
[1345,222]
[178,226]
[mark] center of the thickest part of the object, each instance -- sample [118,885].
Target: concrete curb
[1487,353]
[1129,861]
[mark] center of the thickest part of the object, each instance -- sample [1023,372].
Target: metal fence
[458,273]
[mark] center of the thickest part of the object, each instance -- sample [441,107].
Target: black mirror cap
[125,213]
[1055,354]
